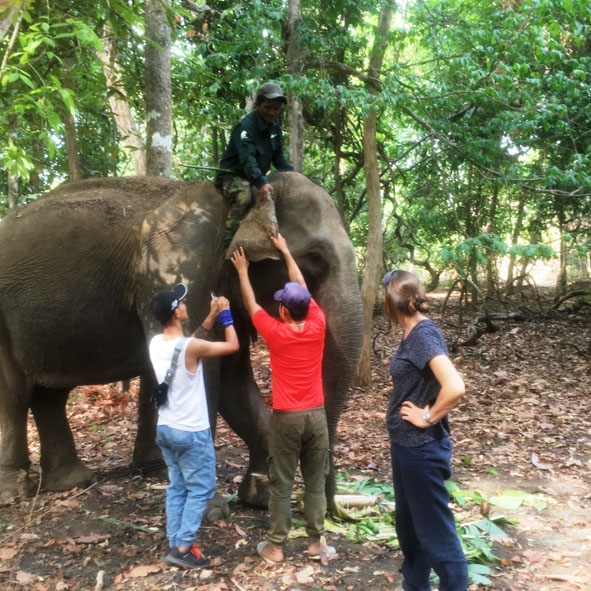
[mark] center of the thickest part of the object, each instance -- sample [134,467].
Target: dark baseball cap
[295,297]
[271,92]
[165,302]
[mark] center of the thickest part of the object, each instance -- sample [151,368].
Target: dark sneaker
[191,559]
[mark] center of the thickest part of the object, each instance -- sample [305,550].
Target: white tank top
[186,408]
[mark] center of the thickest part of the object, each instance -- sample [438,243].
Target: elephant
[78,268]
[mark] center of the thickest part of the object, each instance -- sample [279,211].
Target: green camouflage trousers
[239,194]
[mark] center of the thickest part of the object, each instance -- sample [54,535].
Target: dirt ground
[524,426]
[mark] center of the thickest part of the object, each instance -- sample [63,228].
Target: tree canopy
[482,114]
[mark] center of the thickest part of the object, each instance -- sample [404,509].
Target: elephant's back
[82,215]
[124,200]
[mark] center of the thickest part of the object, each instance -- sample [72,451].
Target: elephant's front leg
[14,454]
[244,409]
[61,469]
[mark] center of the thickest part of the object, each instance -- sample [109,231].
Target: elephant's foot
[254,489]
[67,477]
[217,508]
[147,458]
[15,483]
[149,467]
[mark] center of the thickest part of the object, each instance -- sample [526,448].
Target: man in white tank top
[183,431]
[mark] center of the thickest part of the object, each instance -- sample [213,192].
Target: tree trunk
[71,135]
[294,67]
[340,122]
[119,103]
[7,21]
[12,180]
[373,257]
[491,255]
[561,280]
[12,191]
[515,240]
[158,90]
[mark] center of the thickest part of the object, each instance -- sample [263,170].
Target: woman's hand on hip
[410,412]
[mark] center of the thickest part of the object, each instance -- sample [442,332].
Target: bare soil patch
[524,425]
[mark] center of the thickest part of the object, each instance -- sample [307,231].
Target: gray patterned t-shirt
[413,380]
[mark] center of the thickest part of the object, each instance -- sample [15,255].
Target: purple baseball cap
[294,297]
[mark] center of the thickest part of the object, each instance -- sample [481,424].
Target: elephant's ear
[163,221]
[254,231]
[175,232]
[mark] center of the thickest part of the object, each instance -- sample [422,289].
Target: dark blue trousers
[424,522]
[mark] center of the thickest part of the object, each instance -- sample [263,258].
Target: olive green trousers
[297,437]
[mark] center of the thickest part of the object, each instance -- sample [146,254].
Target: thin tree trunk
[514,240]
[12,180]
[340,121]
[8,21]
[71,135]
[561,280]
[491,255]
[337,144]
[158,90]
[120,105]
[294,67]
[373,258]
[12,192]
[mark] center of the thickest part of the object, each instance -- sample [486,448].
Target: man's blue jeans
[424,522]
[190,458]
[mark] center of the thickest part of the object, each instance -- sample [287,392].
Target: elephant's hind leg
[60,467]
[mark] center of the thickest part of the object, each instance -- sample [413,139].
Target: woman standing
[426,387]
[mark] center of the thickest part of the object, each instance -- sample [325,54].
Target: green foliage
[53,49]
[366,486]
[533,251]
[498,114]
[374,521]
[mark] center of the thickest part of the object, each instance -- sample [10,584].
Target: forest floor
[523,431]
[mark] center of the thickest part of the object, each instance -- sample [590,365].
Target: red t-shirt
[296,359]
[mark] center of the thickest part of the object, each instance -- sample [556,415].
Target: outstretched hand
[279,243]
[239,260]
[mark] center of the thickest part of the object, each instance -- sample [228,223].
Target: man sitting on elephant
[183,432]
[255,145]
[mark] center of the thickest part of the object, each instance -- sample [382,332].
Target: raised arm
[292,267]
[241,264]
[202,331]
[198,347]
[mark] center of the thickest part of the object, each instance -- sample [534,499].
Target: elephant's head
[309,221]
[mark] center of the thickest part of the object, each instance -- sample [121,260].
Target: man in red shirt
[298,431]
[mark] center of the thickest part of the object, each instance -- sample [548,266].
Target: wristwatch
[427,417]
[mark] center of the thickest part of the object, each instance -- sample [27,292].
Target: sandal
[329,552]
[260,547]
